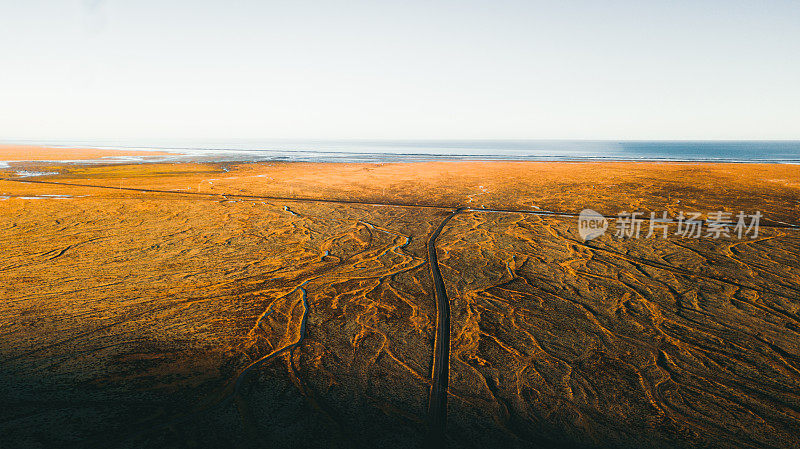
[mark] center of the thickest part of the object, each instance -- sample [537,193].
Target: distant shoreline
[782,152]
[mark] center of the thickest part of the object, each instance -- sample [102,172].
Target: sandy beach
[42,153]
[151,305]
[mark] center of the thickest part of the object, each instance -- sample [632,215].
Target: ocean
[429,150]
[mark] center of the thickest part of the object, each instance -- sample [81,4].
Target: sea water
[427,150]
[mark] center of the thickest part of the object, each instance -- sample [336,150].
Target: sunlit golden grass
[210,308]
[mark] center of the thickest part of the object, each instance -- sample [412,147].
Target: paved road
[437,402]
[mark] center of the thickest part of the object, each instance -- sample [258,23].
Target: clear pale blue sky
[710,69]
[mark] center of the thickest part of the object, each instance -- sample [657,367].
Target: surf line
[437,400]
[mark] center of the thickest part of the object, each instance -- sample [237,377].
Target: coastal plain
[294,305]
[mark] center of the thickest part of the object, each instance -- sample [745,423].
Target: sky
[239,69]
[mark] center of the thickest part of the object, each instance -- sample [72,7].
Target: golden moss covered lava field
[296,305]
